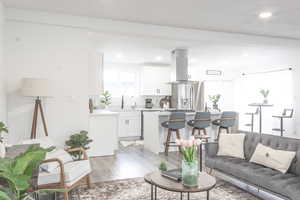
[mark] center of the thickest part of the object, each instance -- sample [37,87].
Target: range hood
[179,73]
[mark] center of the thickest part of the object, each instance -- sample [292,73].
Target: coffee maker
[148,103]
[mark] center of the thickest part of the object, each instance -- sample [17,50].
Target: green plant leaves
[4,196]
[81,140]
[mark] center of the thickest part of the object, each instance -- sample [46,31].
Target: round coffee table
[155,179]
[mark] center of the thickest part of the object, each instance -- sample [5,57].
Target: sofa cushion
[276,159]
[231,145]
[287,144]
[74,171]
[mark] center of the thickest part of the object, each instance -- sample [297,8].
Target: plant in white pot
[3,129]
[190,170]
[106,99]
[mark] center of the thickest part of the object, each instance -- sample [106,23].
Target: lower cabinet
[129,124]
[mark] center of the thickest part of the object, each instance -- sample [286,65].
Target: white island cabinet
[103,130]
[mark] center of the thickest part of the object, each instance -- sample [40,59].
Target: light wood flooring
[130,162]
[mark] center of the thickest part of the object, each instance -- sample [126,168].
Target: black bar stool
[287,113]
[226,121]
[200,123]
[174,124]
[251,124]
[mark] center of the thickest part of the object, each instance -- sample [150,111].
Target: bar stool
[200,123]
[176,122]
[251,124]
[287,113]
[226,121]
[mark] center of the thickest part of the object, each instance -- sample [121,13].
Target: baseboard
[256,191]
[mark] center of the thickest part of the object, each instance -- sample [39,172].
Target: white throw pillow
[2,150]
[60,154]
[231,145]
[276,159]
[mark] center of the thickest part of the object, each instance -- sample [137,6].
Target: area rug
[137,189]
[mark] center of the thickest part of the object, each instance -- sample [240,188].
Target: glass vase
[190,173]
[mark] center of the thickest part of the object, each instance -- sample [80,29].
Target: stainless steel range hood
[183,90]
[179,72]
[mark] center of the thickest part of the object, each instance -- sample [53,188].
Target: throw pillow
[276,159]
[60,154]
[231,145]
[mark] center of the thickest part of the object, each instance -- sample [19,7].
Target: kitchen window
[121,82]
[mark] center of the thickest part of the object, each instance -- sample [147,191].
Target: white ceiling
[220,15]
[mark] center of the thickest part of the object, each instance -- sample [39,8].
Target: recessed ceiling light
[265,15]
[158,58]
[119,55]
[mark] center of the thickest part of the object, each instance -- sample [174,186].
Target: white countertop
[103,112]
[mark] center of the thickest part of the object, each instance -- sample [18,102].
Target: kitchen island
[155,135]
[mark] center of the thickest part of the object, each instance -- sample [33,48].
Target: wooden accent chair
[68,176]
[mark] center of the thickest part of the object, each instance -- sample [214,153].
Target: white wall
[3,112]
[57,53]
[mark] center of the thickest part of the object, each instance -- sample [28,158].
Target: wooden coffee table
[155,179]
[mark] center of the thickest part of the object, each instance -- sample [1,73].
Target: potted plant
[3,129]
[80,140]
[16,173]
[215,99]
[190,170]
[265,94]
[163,166]
[106,99]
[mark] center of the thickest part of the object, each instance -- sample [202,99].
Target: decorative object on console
[190,171]
[37,88]
[215,99]
[106,99]
[79,140]
[231,145]
[265,94]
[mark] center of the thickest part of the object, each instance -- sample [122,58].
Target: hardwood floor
[130,162]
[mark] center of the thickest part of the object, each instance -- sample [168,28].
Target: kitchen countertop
[103,112]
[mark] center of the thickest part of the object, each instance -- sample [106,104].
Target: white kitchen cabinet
[129,124]
[154,81]
[103,130]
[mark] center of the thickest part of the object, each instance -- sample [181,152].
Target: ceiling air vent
[214,72]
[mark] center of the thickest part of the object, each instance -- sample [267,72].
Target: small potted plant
[215,99]
[106,99]
[190,170]
[76,140]
[163,166]
[265,94]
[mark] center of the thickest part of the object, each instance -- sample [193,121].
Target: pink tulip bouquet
[189,148]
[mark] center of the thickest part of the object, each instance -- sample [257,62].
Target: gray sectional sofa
[255,178]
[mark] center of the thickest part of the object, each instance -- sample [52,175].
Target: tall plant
[17,172]
[3,128]
[81,140]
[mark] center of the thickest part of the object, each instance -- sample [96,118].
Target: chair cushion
[74,171]
[60,154]
[231,145]
[275,159]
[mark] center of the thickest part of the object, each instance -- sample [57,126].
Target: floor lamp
[37,88]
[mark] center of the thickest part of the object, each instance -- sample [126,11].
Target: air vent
[213,72]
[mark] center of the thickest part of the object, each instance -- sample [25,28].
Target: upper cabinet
[154,81]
